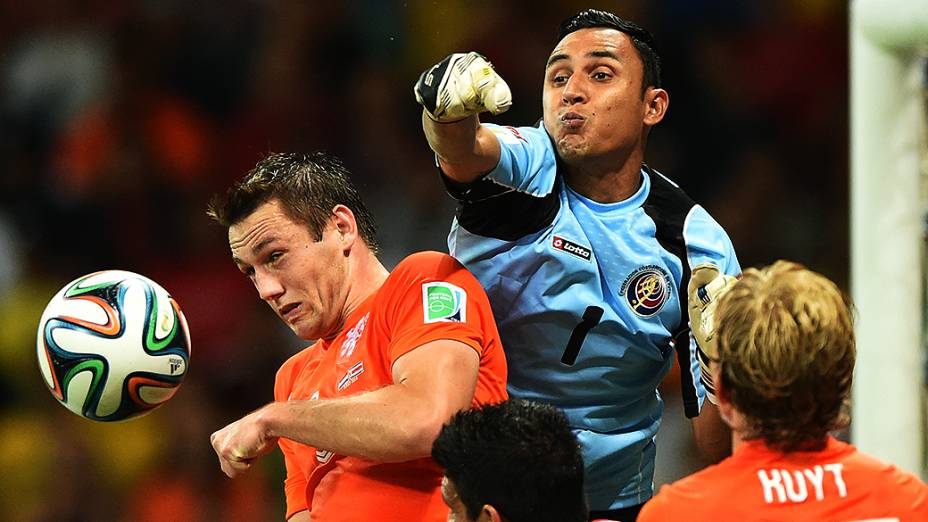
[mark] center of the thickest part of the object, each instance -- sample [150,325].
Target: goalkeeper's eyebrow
[592,54]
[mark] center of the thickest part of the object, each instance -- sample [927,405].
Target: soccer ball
[113,345]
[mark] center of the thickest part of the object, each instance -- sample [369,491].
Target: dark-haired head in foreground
[514,461]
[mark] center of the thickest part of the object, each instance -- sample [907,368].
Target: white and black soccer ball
[113,345]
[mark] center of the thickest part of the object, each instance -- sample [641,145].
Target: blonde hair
[786,351]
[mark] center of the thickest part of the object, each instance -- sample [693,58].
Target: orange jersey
[429,296]
[836,484]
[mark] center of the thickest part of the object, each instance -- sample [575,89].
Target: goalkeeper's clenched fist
[462,85]
[706,286]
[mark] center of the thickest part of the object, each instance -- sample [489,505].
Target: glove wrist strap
[443,122]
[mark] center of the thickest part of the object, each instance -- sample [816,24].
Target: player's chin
[571,147]
[305,330]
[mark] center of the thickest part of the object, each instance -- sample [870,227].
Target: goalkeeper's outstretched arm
[453,93]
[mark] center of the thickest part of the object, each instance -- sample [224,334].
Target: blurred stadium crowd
[118,120]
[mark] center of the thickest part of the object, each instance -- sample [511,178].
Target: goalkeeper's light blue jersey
[590,300]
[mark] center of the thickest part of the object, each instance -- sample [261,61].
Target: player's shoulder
[665,191]
[679,217]
[883,474]
[427,264]
[421,271]
[900,492]
[682,498]
[518,135]
[667,203]
[708,484]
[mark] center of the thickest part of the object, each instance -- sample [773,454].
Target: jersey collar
[634,201]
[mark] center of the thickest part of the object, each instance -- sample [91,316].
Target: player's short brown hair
[786,351]
[308,187]
[640,37]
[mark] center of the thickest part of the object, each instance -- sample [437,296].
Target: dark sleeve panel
[489,209]
[668,206]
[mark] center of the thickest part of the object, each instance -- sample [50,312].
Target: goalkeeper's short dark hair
[308,187]
[640,37]
[518,456]
[786,352]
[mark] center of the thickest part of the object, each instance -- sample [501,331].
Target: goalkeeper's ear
[656,103]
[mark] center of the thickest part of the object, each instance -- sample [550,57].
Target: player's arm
[466,149]
[395,423]
[300,516]
[452,93]
[712,435]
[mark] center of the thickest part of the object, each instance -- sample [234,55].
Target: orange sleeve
[295,481]
[433,297]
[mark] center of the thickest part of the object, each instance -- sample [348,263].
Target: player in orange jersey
[397,354]
[784,360]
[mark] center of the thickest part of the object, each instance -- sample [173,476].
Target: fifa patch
[575,249]
[646,290]
[443,303]
[352,375]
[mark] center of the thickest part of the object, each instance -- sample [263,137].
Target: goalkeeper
[585,251]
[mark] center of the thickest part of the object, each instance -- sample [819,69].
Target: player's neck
[731,416]
[736,440]
[366,275]
[605,185]
[607,179]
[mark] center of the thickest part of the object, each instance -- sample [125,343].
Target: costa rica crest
[646,290]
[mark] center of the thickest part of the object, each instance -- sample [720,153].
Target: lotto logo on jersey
[566,245]
[443,302]
[646,290]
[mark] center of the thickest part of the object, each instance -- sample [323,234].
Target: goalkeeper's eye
[559,79]
[601,75]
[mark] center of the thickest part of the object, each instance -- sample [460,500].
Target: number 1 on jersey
[591,317]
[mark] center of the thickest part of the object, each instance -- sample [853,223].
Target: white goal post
[888,227]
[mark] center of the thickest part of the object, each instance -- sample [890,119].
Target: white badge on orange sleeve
[443,303]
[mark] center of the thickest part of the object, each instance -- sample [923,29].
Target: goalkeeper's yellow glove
[707,285]
[461,85]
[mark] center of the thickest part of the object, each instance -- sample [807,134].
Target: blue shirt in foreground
[590,299]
